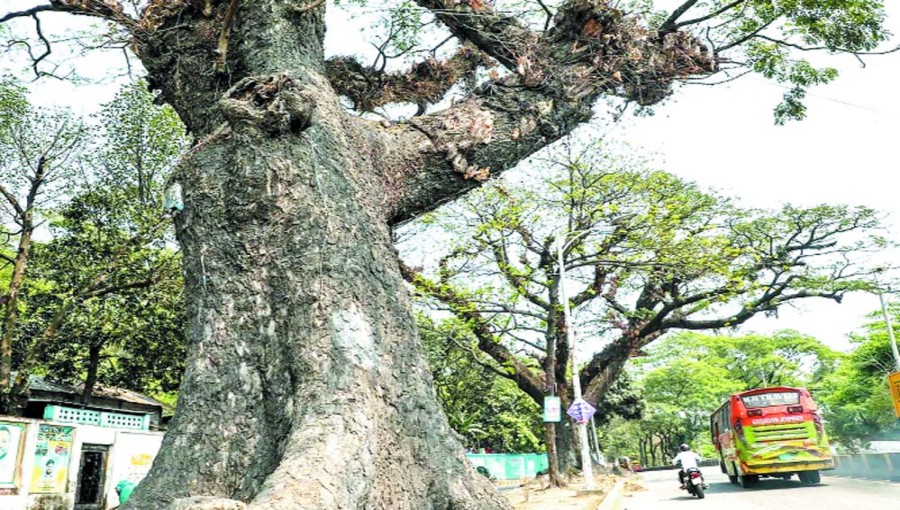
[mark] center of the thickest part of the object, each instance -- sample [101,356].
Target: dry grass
[535,495]
[631,486]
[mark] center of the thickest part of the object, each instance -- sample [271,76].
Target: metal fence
[503,466]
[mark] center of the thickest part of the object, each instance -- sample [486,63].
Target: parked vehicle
[882,447]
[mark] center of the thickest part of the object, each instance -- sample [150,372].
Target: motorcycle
[693,482]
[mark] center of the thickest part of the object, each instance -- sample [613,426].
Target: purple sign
[581,411]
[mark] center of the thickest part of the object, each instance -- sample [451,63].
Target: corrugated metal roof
[40,384]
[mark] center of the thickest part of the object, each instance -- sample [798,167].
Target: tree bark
[305,387]
[90,380]
[551,429]
[567,446]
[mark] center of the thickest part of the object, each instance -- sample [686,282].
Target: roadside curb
[615,500]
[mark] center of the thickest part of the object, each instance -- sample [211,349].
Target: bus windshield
[781,398]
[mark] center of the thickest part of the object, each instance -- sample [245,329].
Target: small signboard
[552,410]
[894,383]
[581,411]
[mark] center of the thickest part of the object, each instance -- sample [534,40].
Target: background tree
[645,253]
[291,280]
[687,376]
[483,406]
[108,237]
[482,401]
[856,398]
[139,335]
[39,162]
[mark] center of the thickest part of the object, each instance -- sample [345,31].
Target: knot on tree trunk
[274,105]
[206,503]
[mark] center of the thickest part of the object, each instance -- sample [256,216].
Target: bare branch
[13,202]
[669,24]
[747,37]
[781,42]
[109,10]
[27,13]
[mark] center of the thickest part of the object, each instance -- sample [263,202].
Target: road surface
[833,493]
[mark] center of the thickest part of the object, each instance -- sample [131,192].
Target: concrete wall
[883,466]
[129,457]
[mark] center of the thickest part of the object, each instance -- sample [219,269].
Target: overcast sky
[722,137]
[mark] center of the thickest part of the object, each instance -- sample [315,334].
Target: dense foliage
[856,398]
[99,299]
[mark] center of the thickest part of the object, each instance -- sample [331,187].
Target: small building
[45,394]
[69,454]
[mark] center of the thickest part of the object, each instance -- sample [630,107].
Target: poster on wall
[11,437]
[132,457]
[51,459]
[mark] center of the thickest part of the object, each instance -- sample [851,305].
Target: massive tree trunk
[305,387]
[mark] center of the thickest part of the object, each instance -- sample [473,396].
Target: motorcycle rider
[688,459]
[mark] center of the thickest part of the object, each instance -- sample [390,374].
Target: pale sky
[721,137]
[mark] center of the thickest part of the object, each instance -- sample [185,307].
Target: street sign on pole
[894,383]
[552,410]
[581,411]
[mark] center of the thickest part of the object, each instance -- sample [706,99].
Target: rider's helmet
[685,448]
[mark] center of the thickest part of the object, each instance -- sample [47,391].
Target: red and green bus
[775,432]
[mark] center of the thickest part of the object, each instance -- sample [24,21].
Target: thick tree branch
[502,37]
[669,24]
[426,83]
[558,76]
[523,375]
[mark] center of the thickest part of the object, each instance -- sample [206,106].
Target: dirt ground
[536,496]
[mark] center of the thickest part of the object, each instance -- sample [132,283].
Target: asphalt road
[833,493]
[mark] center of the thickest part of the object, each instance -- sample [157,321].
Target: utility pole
[586,466]
[890,328]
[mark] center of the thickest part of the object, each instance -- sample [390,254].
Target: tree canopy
[649,253]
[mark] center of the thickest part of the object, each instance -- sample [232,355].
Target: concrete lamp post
[586,466]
